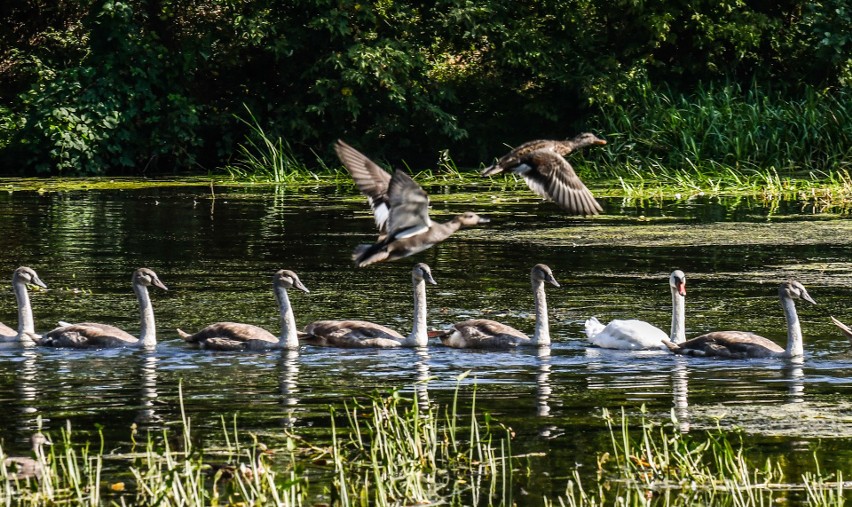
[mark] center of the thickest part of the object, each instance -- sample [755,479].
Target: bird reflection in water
[28,392]
[421,384]
[543,391]
[680,393]
[542,383]
[794,375]
[288,385]
[147,415]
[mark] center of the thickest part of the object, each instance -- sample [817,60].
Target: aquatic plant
[656,462]
[726,132]
[263,157]
[393,450]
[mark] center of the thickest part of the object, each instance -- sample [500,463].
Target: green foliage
[128,86]
[727,126]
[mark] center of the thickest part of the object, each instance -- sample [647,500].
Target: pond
[216,252]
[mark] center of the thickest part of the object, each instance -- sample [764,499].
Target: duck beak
[807,297]
[553,281]
[37,281]
[488,171]
[429,279]
[681,288]
[157,283]
[483,220]
[600,142]
[299,285]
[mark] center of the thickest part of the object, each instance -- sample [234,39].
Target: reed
[733,135]
[653,462]
[392,450]
[263,157]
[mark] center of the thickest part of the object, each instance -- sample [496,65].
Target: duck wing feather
[552,177]
[371,180]
[409,207]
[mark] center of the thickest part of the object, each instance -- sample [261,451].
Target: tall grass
[391,450]
[659,463]
[725,138]
[263,157]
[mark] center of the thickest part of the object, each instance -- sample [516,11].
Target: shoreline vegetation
[693,90]
[719,141]
[387,449]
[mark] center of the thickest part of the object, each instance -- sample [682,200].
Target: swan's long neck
[795,346]
[25,310]
[419,337]
[147,327]
[289,338]
[678,334]
[542,325]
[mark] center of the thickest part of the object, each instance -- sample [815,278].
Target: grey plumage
[740,344]
[238,336]
[25,333]
[489,334]
[363,334]
[96,335]
[22,467]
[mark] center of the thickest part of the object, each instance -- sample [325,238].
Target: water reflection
[91,239]
[422,377]
[542,382]
[28,392]
[288,385]
[680,392]
[794,375]
[147,414]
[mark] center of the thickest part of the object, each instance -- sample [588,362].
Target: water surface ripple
[217,257]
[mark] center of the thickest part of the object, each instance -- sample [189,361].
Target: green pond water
[217,257]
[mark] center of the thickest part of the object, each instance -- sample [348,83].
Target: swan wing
[88,335]
[7,331]
[629,335]
[231,331]
[482,334]
[350,334]
[731,344]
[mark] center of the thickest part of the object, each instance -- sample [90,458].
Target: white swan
[90,334]
[237,336]
[26,326]
[637,334]
[740,344]
[362,334]
[488,334]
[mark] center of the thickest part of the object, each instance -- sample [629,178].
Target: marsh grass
[263,157]
[728,126]
[71,475]
[392,450]
[657,464]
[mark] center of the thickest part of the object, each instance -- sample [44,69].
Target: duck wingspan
[552,177]
[409,207]
[370,178]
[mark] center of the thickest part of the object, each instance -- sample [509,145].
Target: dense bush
[129,86]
